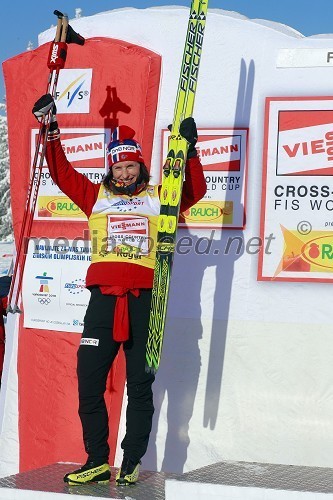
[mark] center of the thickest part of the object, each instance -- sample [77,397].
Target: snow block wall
[246,372]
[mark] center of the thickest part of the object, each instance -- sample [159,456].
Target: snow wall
[246,371]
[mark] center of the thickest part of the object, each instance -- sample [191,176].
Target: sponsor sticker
[86,341]
[128,233]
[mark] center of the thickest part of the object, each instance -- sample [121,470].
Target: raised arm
[194,187]
[72,183]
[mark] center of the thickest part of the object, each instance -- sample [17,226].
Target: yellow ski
[172,182]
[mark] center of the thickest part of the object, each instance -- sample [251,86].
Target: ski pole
[27,211]
[56,61]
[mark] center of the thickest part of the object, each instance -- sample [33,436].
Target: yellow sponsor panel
[58,206]
[307,253]
[210,212]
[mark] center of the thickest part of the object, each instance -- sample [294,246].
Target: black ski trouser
[95,357]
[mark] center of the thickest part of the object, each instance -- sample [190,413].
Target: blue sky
[22,21]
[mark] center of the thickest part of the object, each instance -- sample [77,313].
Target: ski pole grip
[58,14]
[64,29]
[58,49]
[58,31]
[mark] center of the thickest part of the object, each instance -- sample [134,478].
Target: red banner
[107,82]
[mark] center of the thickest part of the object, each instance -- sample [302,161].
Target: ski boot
[89,473]
[128,473]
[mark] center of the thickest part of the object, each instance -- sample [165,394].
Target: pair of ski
[56,61]
[172,183]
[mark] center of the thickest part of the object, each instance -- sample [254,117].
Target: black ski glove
[188,130]
[41,109]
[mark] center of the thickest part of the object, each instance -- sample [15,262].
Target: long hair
[143,176]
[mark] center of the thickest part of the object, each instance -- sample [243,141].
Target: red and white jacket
[84,194]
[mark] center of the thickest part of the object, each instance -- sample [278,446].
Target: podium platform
[252,481]
[221,481]
[47,483]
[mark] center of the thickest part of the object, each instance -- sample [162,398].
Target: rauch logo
[60,207]
[204,212]
[319,251]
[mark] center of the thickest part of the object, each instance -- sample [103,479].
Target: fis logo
[74,90]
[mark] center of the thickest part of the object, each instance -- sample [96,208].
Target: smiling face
[126,172]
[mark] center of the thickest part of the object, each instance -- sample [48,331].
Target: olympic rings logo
[44,301]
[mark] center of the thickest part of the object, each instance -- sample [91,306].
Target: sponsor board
[223,154]
[54,286]
[74,91]
[85,150]
[297,200]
